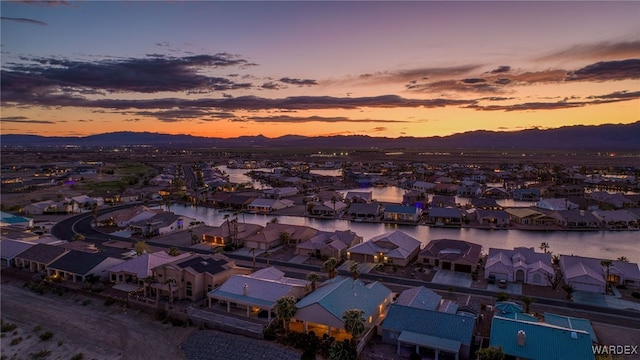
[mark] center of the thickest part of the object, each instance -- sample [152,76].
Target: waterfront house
[402,213]
[484,204]
[442,201]
[496,193]
[161,224]
[124,217]
[359,196]
[78,266]
[447,254]
[423,186]
[491,217]
[229,231]
[526,194]
[526,339]
[321,311]
[576,219]
[369,211]
[193,276]
[278,193]
[530,216]
[395,248]
[275,234]
[556,204]
[38,257]
[445,216]
[618,219]
[587,274]
[441,332]
[265,205]
[257,292]
[329,244]
[519,265]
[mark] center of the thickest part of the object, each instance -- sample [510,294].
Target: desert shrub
[40,354]
[86,302]
[46,335]
[109,301]
[6,327]
[15,341]
[79,356]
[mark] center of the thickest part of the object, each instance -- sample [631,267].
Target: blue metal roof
[571,323]
[432,323]
[542,341]
[400,209]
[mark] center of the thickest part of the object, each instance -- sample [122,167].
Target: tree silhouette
[313,278]
[354,322]
[286,310]
[330,267]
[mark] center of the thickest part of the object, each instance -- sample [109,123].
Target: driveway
[589,298]
[454,278]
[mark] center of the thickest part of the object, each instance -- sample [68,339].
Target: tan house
[394,248]
[193,277]
[277,234]
[456,255]
[230,231]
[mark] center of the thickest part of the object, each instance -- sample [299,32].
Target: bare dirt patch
[82,325]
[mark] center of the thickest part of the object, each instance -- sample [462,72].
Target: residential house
[556,204]
[265,206]
[447,254]
[194,276]
[525,339]
[38,257]
[9,249]
[135,270]
[327,208]
[530,216]
[329,244]
[124,217]
[618,219]
[443,201]
[484,204]
[258,291]
[402,213]
[51,207]
[395,248]
[423,186]
[498,218]
[526,194]
[616,201]
[78,266]
[417,327]
[322,310]
[519,265]
[275,234]
[229,231]
[571,323]
[587,274]
[576,219]
[496,193]
[445,216]
[422,298]
[161,224]
[369,211]
[278,193]
[359,196]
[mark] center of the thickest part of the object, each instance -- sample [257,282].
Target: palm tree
[341,350]
[527,303]
[274,220]
[569,289]
[253,252]
[169,282]
[544,246]
[141,247]
[354,322]
[313,277]
[285,310]
[354,270]
[334,200]
[268,256]
[607,264]
[491,353]
[330,267]
[226,218]
[285,238]
[623,258]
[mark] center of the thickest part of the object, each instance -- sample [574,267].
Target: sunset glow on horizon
[389,69]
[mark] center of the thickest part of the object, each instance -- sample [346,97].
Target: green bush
[46,336]
[40,354]
[79,356]
[109,301]
[6,327]
[15,341]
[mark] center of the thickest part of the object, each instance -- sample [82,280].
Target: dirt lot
[92,329]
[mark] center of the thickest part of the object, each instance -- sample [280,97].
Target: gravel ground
[215,345]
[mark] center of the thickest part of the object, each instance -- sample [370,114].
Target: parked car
[502,284]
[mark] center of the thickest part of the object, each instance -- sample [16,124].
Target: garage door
[588,287]
[462,268]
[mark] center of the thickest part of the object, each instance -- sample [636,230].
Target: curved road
[81,224]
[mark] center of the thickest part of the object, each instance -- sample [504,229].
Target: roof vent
[574,335]
[522,338]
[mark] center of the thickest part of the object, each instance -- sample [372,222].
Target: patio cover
[431,342]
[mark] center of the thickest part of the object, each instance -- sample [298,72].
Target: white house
[519,265]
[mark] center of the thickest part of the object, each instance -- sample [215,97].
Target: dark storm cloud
[293,119]
[607,70]
[602,50]
[24,20]
[473,81]
[298,82]
[619,95]
[271,86]
[176,115]
[151,74]
[502,81]
[24,120]
[419,74]
[501,69]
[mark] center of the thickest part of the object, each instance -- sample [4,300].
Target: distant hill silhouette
[610,137]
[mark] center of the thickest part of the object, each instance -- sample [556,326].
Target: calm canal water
[599,244]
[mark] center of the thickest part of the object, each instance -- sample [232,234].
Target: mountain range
[609,137]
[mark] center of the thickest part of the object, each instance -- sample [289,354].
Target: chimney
[245,289]
[522,338]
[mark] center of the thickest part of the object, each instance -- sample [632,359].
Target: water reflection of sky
[600,244]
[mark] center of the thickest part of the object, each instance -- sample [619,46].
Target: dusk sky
[227,69]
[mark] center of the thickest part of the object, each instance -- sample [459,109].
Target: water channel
[599,244]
